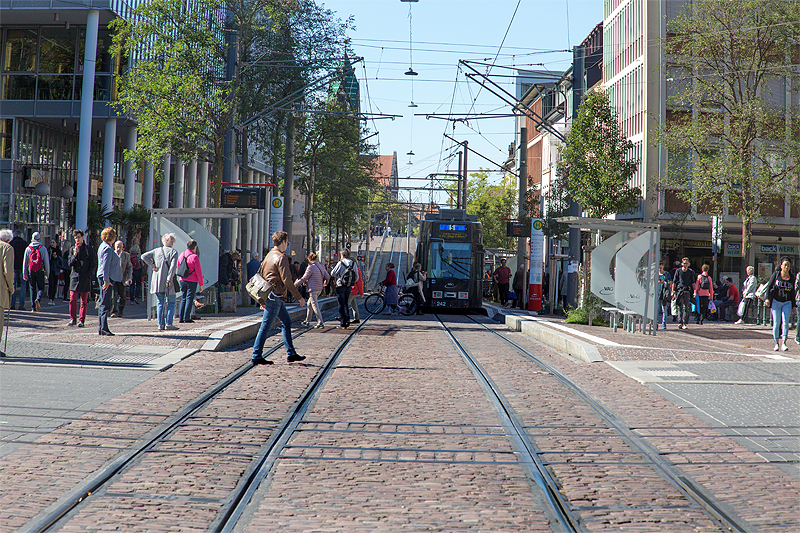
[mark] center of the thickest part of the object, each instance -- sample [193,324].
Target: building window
[19,50]
[58,50]
[55,87]
[19,87]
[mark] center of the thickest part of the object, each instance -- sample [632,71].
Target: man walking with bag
[275,270]
[345,273]
[36,270]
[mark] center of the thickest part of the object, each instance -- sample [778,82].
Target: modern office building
[640,80]
[61,137]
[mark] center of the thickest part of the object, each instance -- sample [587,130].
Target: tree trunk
[288,177]
[747,225]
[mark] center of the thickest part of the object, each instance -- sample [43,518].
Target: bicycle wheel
[408,304]
[374,303]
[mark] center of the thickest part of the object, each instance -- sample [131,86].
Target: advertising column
[537,264]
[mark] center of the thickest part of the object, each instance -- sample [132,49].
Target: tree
[491,204]
[734,137]
[174,88]
[596,162]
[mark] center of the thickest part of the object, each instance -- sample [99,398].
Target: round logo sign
[537,225]
[277,203]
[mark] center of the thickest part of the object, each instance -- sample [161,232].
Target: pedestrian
[108,273]
[275,270]
[675,267]
[121,288]
[748,293]
[345,275]
[223,270]
[703,294]
[390,294]
[36,270]
[730,299]
[81,265]
[192,282]
[781,299]
[797,309]
[6,277]
[683,286]
[315,278]
[164,262]
[136,280]
[415,284]
[252,268]
[664,296]
[54,258]
[355,292]
[502,275]
[20,284]
[519,285]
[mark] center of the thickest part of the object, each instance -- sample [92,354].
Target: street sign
[233,196]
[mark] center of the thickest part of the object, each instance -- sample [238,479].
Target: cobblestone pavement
[403,439]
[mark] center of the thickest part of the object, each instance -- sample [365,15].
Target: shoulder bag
[258,288]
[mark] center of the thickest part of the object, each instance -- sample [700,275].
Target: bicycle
[406,302]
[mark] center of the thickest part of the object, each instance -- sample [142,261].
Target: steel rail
[244,492]
[705,500]
[50,517]
[516,431]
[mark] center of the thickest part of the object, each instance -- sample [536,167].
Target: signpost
[537,264]
[276,215]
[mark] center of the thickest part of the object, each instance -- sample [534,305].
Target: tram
[450,249]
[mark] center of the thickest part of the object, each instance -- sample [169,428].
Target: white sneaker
[775,349]
[740,321]
[784,347]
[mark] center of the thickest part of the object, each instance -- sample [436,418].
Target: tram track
[234,503]
[635,454]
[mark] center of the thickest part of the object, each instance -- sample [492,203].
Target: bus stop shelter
[624,266]
[191,224]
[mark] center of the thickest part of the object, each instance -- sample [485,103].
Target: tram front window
[449,260]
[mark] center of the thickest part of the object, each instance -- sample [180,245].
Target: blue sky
[442,33]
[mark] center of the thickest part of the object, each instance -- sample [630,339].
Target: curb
[225,338]
[562,342]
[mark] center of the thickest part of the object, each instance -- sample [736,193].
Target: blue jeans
[780,317]
[665,306]
[20,285]
[165,309]
[272,309]
[189,290]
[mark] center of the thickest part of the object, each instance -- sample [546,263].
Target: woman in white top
[748,293]
[315,277]
[164,262]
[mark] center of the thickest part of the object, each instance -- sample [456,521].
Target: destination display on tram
[452,227]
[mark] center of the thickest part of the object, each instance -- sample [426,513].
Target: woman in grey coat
[163,262]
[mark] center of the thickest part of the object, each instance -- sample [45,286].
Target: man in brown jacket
[6,276]
[275,269]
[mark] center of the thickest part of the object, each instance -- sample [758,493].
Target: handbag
[761,292]
[175,285]
[742,305]
[673,308]
[258,288]
[711,307]
[512,295]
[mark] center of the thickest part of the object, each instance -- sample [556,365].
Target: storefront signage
[769,248]
[676,243]
[733,249]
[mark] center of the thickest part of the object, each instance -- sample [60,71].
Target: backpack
[183,268]
[35,262]
[704,283]
[349,276]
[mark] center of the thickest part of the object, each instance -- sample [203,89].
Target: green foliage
[492,203]
[733,144]
[581,316]
[595,159]
[174,89]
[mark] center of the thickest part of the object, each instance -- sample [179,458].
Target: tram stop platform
[437,422]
